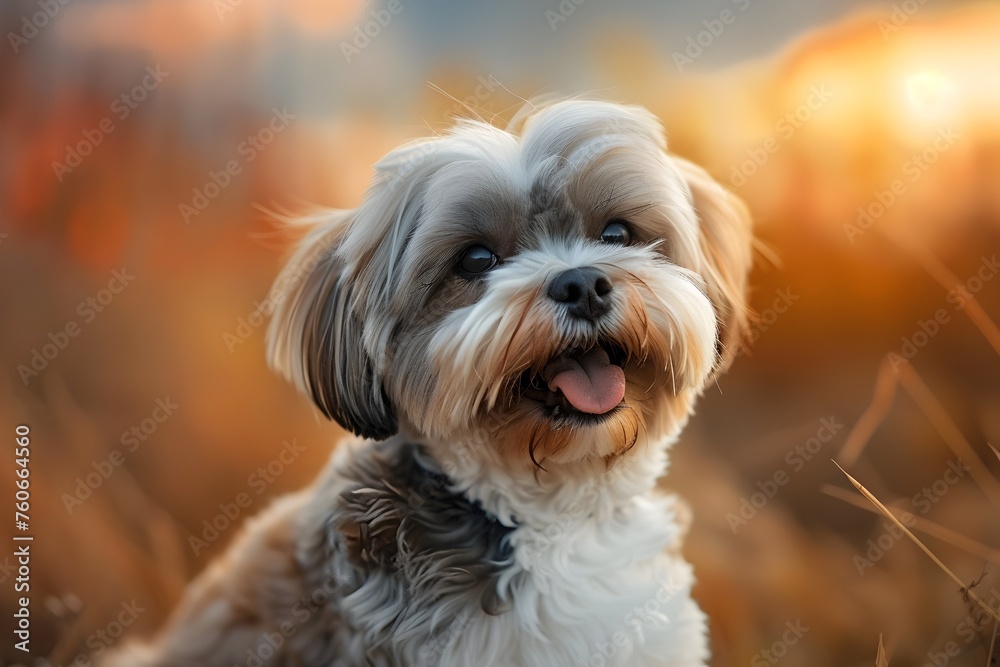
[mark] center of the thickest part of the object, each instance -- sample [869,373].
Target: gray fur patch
[403,519]
[410,557]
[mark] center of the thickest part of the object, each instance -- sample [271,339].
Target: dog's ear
[316,338]
[725,237]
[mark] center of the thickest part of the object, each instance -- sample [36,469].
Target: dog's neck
[524,495]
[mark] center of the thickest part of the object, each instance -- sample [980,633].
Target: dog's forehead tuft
[565,126]
[551,213]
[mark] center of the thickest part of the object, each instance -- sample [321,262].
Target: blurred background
[142,141]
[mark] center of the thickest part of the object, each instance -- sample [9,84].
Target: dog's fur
[475,524]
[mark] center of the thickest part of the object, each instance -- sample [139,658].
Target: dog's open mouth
[584,384]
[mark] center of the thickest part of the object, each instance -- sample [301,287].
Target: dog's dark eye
[477,259]
[617,232]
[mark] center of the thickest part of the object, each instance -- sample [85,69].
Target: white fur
[597,580]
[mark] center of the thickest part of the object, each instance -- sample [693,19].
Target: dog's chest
[584,592]
[439,582]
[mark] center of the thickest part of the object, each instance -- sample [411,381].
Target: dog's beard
[548,387]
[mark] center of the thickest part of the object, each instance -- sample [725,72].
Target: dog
[515,323]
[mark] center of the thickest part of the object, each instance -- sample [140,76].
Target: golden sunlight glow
[930,91]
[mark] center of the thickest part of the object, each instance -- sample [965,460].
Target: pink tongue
[590,382]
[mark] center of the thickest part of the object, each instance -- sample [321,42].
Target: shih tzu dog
[516,324]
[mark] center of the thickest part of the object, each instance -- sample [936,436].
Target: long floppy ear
[315,337]
[726,239]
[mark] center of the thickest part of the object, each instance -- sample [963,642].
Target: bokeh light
[153,137]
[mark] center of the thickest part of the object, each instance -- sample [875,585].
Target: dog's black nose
[584,290]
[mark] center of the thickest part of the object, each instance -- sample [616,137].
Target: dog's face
[566,290]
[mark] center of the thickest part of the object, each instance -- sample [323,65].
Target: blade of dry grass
[768,254]
[873,416]
[924,525]
[930,554]
[993,642]
[880,659]
[946,427]
[995,451]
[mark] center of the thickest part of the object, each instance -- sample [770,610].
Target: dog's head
[566,288]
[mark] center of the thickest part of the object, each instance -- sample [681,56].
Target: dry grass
[795,559]
[966,590]
[881,660]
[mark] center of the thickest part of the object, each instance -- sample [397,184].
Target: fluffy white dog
[517,324]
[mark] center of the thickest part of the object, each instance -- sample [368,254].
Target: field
[144,148]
